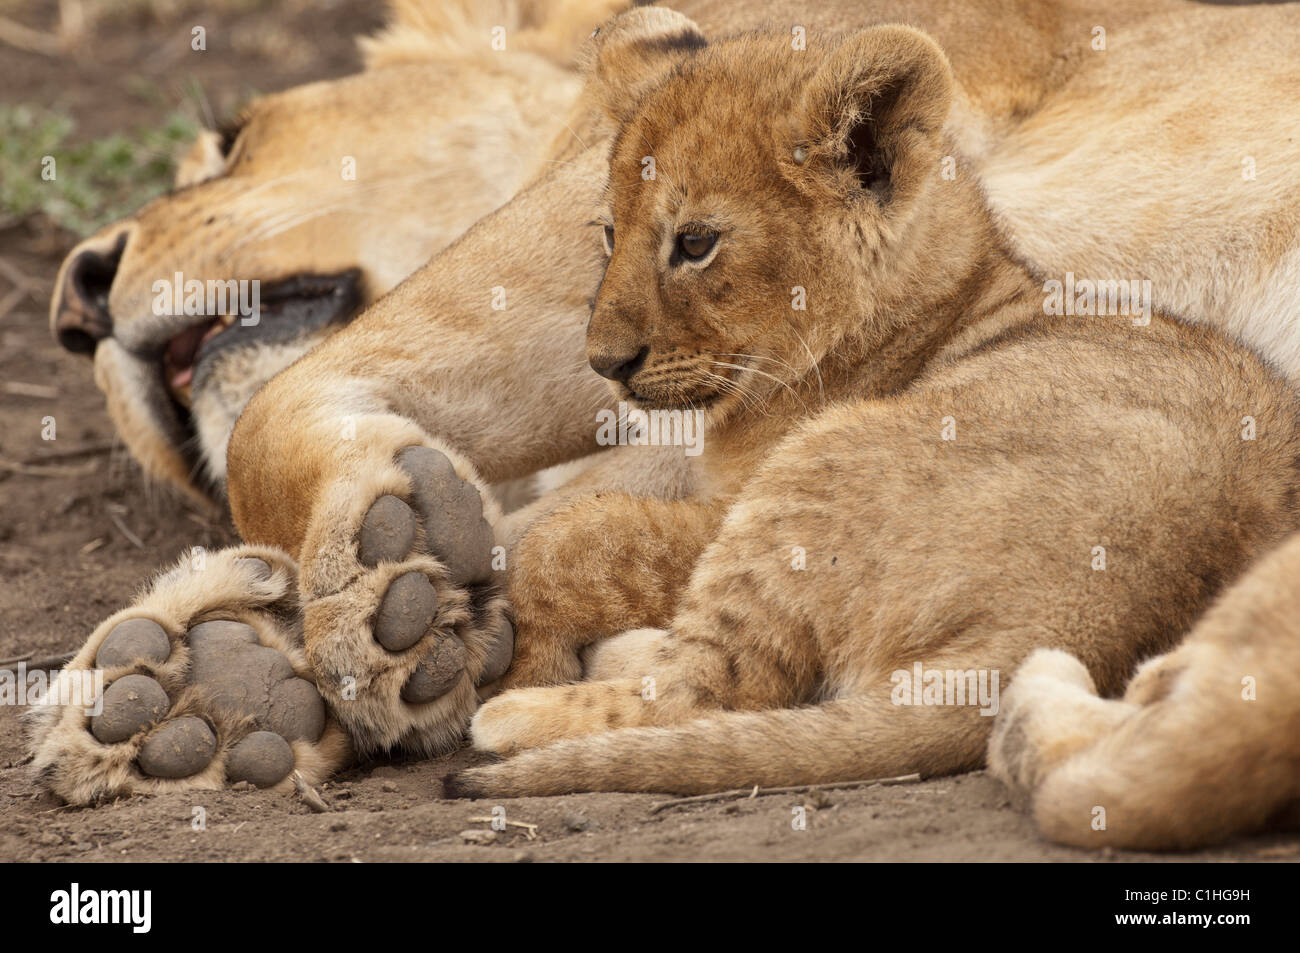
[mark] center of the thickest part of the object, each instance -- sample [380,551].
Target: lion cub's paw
[404,632]
[202,682]
[532,717]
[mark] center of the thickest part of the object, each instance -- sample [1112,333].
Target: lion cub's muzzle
[685,381]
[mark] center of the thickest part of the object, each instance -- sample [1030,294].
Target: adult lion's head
[312,204]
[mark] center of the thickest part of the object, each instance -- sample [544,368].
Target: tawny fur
[860,540]
[1036,113]
[469,355]
[441,129]
[1202,746]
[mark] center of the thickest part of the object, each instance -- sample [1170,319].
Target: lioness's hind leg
[402,614]
[1203,745]
[202,682]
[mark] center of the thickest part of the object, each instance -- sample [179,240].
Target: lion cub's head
[765,203]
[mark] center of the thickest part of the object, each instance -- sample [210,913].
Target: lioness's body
[965,479]
[1160,121]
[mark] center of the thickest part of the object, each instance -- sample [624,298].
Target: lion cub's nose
[79,312]
[620,367]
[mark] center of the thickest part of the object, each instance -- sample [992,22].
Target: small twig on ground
[55,810]
[47,663]
[309,795]
[133,539]
[529,829]
[23,389]
[794,789]
[85,450]
[53,470]
[25,38]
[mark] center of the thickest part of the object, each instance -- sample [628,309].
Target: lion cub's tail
[844,740]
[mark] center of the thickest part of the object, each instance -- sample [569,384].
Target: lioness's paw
[202,682]
[403,617]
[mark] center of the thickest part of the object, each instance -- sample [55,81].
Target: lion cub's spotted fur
[919,467]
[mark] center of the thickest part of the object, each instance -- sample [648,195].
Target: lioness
[1202,745]
[321,447]
[914,469]
[399,629]
[328,194]
[1201,195]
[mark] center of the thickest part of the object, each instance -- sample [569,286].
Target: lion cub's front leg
[595,568]
[730,645]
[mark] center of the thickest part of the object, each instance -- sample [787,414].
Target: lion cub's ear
[874,112]
[636,51]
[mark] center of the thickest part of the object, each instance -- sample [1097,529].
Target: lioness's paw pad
[187,699]
[401,642]
[451,509]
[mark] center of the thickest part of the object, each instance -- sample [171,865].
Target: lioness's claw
[205,684]
[401,639]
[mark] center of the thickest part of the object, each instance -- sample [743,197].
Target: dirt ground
[79,533]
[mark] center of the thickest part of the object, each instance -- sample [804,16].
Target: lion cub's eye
[609,239]
[695,245]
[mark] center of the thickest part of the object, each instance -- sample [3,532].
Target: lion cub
[918,476]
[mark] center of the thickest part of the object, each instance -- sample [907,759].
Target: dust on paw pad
[178,749]
[438,671]
[406,612]
[443,517]
[130,704]
[133,641]
[203,682]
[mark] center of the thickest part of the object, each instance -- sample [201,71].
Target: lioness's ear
[636,51]
[203,160]
[875,109]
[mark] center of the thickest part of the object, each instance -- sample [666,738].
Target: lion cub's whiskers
[754,370]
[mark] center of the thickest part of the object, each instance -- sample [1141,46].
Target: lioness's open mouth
[288,309]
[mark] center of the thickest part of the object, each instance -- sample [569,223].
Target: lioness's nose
[79,312]
[618,367]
